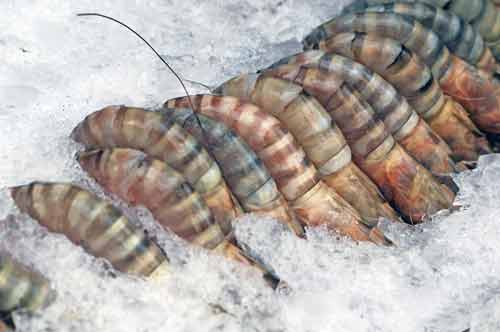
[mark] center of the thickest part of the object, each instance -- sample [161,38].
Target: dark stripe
[312,40]
[482,11]
[423,89]
[436,52]
[192,154]
[68,201]
[455,43]
[401,60]
[118,121]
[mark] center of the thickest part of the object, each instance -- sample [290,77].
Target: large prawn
[162,138]
[374,148]
[413,79]
[244,172]
[313,202]
[93,223]
[320,138]
[483,15]
[460,37]
[140,179]
[21,288]
[399,118]
[457,78]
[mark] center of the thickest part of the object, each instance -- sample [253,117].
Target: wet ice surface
[56,68]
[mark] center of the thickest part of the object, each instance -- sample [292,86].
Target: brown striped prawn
[139,179]
[313,202]
[482,15]
[457,78]
[322,141]
[21,288]
[162,138]
[93,223]
[368,138]
[459,36]
[413,79]
[244,172]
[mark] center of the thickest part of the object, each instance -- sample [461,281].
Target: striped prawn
[483,15]
[313,202]
[457,78]
[413,79]
[93,223]
[245,174]
[399,118]
[459,36]
[322,141]
[374,148]
[140,179]
[152,133]
[21,288]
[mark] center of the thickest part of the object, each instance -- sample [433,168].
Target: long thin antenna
[157,54]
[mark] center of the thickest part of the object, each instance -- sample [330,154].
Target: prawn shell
[418,194]
[459,36]
[322,140]
[243,170]
[481,14]
[356,119]
[478,95]
[459,80]
[162,138]
[314,203]
[382,160]
[465,140]
[91,222]
[142,180]
[21,287]
[399,118]
[407,31]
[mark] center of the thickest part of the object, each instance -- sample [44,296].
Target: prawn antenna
[158,55]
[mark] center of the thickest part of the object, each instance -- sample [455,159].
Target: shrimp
[246,175]
[399,118]
[152,133]
[313,202]
[140,179]
[318,135]
[374,148]
[458,79]
[93,223]
[21,287]
[413,79]
[459,36]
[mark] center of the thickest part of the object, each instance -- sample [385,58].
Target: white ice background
[55,68]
